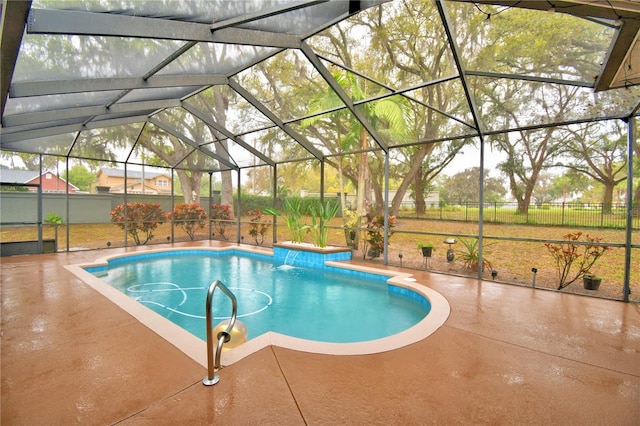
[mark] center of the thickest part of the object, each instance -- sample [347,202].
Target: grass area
[553,215]
[512,259]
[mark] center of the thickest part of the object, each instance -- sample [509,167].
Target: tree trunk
[421,206]
[196,180]
[226,193]
[607,197]
[414,174]
[221,101]
[362,173]
[186,185]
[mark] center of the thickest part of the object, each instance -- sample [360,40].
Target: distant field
[552,214]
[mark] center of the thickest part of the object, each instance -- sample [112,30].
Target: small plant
[190,217]
[351,220]
[257,228]
[470,255]
[53,219]
[578,252]
[373,244]
[426,248]
[319,215]
[138,218]
[293,214]
[221,216]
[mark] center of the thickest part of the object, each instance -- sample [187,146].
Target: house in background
[154,183]
[50,181]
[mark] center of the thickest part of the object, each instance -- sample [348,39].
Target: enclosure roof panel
[224,85]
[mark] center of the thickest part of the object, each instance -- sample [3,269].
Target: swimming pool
[405,291]
[309,303]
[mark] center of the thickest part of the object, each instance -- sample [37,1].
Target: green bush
[255,202]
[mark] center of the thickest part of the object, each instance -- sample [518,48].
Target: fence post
[563,205]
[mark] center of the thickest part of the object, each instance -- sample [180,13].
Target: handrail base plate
[210,382]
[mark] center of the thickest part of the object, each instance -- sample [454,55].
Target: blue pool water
[316,304]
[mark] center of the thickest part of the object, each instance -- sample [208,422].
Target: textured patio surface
[506,355]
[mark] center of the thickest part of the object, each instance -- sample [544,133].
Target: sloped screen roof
[222,85]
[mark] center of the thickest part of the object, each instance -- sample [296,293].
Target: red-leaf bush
[373,244]
[257,228]
[190,217]
[575,252]
[137,219]
[221,216]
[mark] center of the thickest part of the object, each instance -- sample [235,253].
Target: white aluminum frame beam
[7,137]
[73,22]
[274,119]
[202,148]
[218,127]
[344,97]
[14,18]
[82,85]
[88,111]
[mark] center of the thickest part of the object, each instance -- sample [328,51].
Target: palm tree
[387,115]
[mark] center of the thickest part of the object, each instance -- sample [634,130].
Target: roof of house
[135,174]
[17,176]
[24,176]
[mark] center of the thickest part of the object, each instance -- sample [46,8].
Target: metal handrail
[223,337]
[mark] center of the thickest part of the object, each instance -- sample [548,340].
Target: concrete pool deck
[505,355]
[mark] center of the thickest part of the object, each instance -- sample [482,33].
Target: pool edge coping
[195,348]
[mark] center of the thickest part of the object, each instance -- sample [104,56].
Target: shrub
[319,215]
[221,216]
[251,203]
[293,215]
[575,252]
[190,217]
[373,244]
[470,255]
[257,228]
[138,218]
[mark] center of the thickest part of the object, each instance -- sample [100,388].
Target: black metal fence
[593,215]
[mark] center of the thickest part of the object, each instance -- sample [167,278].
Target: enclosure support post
[275,197]
[126,212]
[68,208]
[321,184]
[40,246]
[321,191]
[631,138]
[239,207]
[210,203]
[386,208]
[481,210]
[172,203]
